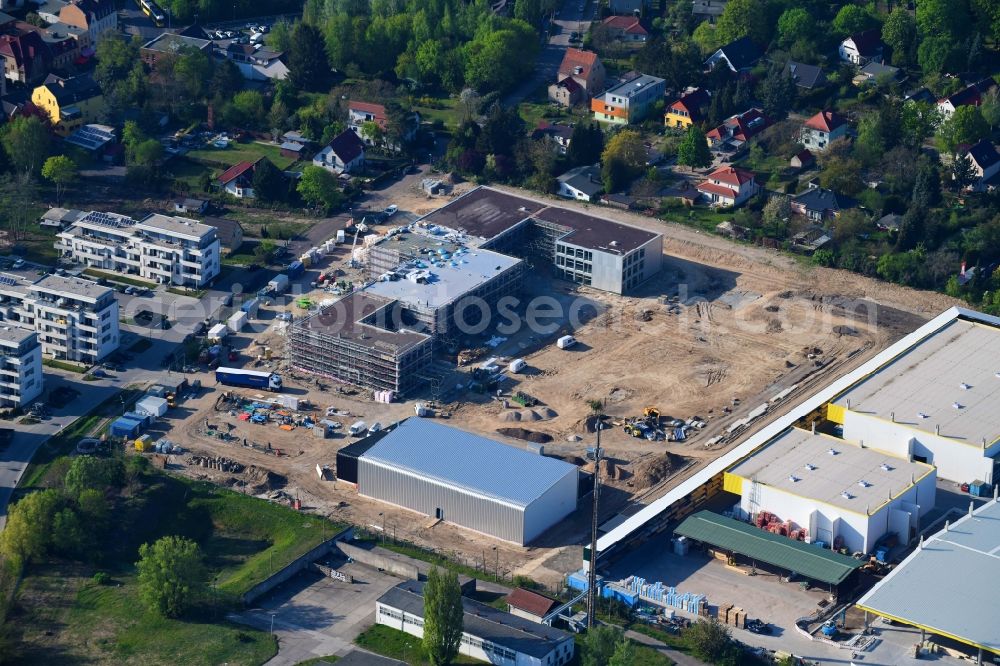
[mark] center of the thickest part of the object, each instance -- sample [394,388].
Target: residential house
[26,58]
[729,186]
[293,150]
[63,41]
[739,56]
[862,48]
[876,72]
[256,62]
[96,17]
[823,128]
[96,139]
[626,28]
[819,204]
[567,92]
[530,605]
[689,109]
[811,239]
[802,160]
[560,134]
[971,95]
[69,103]
[805,76]
[889,222]
[585,68]
[166,250]
[359,113]
[707,10]
[237,180]
[21,379]
[582,183]
[628,102]
[986,161]
[734,132]
[920,95]
[168,45]
[60,218]
[229,232]
[189,205]
[344,154]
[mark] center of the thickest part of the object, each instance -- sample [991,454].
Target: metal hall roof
[801,558]
[948,585]
[473,463]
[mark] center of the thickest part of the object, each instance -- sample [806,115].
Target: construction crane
[357,230]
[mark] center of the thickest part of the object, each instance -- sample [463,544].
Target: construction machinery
[523,399]
[652,413]
[633,429]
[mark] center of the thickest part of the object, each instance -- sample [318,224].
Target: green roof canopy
[806,560]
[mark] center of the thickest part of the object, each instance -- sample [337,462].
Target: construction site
[688,361]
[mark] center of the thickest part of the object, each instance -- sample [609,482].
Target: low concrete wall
[290,570]
[381,559]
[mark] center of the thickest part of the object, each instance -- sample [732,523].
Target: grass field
[244,152]
[396,644]
[64,617]
[448,113]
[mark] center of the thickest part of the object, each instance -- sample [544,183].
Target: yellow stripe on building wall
[835,413]
[732,483]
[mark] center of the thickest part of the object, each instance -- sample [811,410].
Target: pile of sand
[650,471]
[526,435]
[518,415]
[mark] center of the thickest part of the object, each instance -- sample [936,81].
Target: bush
[102,578]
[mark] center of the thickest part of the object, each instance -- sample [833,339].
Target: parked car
[391,210]
[19,263]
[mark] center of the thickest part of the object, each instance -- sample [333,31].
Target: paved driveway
[315,616]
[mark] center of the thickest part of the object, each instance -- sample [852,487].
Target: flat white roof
[948,586]
[950,379]
[181,226]
[75,287]
[800,463]
[14,336]
[448,279]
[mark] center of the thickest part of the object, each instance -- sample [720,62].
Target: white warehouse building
[839,492]
[938,402]
[467,480]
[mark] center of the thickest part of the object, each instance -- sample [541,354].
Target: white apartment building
[166,250]
[20,366]
[75,319]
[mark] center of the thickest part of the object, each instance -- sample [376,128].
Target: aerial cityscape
[520,332]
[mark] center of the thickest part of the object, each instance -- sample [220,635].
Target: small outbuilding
[152,406]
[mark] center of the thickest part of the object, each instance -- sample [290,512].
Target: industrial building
[488,634]
[21,378]
[582,248]
[361,339]
[462,478]
[166,250]
[931,364]
[939,402]
[947,586]
[76,319]
[830,491]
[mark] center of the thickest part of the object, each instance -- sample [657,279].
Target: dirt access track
[722,321]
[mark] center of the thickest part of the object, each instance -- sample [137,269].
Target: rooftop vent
[846,495]
[885,467]
[810,467]
[964,386]
[864,484]
[578,69]
[957,405]
[921,415]
[831,452]
[793,478]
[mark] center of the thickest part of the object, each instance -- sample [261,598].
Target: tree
[775,216]
[29,531]
[623,159]
[62,171]
[963,172]
[918,121]
[148,153]
[226,79]
[852,19]
[899,32]
[247,109]
[280,37]
[268,181]
[693,150]
[586,144]
[841,175]
[307,62]
[615,174]
[624,653]
[372,131]
[943,18]
[443,616]
[988,14]
[119,71]
[926,187]
[192,71]
[26,142]
[529,11]
[936,54]
[743,18]
[778,91]
[965,126]
[710,641]
[600,645]
[795,24]
[93,473]
[989,107]
[170,572]
[318,187]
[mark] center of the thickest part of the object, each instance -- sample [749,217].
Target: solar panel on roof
[108,220]
[7,280]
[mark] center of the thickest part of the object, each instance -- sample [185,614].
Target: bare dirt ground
[722,321]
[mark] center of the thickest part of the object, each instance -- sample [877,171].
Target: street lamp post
[496,569]
[272,623]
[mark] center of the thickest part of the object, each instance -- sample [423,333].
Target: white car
[391,210]
[19,263]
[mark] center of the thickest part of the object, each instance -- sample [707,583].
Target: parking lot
[315,616]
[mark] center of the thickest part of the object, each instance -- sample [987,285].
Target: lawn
[187,172]
[444,109]
[118,277]
[700,217]
[244,152]
[38,243]
[64,365]
[397,644]
[63,616]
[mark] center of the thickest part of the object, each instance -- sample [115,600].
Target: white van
[358,429]
[257,38]
[565,342]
